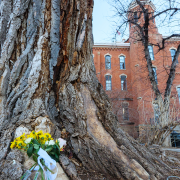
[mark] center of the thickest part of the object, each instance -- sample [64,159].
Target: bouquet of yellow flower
[44,151]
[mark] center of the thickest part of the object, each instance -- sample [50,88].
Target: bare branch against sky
[108,17]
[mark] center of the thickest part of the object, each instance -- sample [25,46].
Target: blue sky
[103,29]
[104,24]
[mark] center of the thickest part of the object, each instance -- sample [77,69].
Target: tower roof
[133,4]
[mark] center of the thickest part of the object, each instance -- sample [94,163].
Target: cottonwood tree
[47,70]
[143,26]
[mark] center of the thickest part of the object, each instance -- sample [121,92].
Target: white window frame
[121,83]
[123,111]
[156,72]
[106,81]
[172,48]
[177,92]
[105,59]
[124,61]
[153,51]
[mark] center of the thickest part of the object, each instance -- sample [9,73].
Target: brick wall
[139,95]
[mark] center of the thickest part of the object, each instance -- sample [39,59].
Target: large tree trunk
[47,70]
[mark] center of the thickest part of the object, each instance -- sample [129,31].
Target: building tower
[143,96]
[122,70]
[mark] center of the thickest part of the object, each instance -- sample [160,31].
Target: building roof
[172,38]
[114,45]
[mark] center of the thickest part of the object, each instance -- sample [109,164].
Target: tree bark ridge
[56,79]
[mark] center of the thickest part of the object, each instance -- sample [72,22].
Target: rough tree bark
[47,70]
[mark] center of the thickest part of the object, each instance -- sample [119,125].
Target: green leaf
[57,156]
[42,146]
[52,152]
[42,175]
[54,157]
[34,158]
[49,148]
[35,151]
[36,146]
[57,147]
[35,142]
[30,151]
[58,152]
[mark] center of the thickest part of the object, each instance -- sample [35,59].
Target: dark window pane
[173,52]
[108,83]
[151,53]
[108,62]
[122,62]
[178,90]
[135,17]
[125,111]
[156,113]
[123,83]
[155,74]
[152,16]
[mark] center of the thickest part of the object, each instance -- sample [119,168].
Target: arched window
[155,74]
[152,14]
[135,17]
[123,83]
[173,52]
[122,62]
[178,91]
[125,110]
[156,112]
[151,53]
[108,61]
[108,83]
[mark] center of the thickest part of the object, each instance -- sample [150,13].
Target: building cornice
[111,45]
[172,39]
[111,48]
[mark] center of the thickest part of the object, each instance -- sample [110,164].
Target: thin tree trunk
[47,70]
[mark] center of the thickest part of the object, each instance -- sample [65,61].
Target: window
[156,113]
[108,62]
[152,16]
[122,62]
[123,83]
[155,74]
[178,90]
[173,52]
[125,110]
[135,17]
[108,83]
[151,53]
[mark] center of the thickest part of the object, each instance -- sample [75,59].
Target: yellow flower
[62,149]
[47,135]
[32,135]
[13,144]
[23,137]
[20,144]
[39,133]
[28,136]
[42,138]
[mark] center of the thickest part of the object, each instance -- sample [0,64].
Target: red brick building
[121,69]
